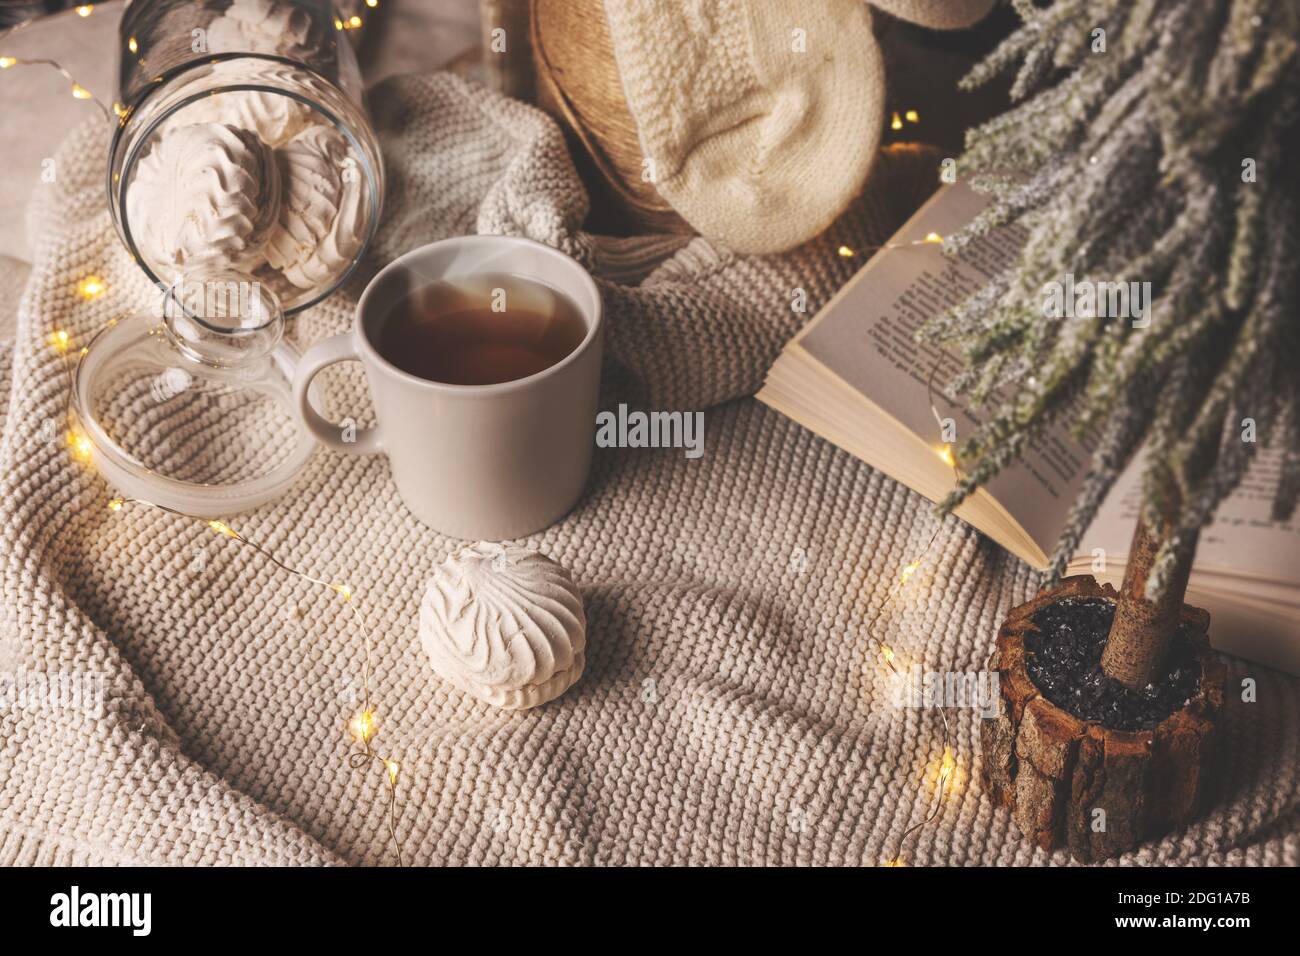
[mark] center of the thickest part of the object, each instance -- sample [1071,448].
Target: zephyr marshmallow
[205,194]
[320,225]
[504,624]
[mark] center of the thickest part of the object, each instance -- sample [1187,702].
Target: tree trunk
[1140,635]
[1076,783]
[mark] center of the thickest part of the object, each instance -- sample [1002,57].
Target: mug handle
[338,348]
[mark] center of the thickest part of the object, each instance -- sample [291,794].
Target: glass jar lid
[193,410]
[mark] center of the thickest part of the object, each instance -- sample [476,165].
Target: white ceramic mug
[474,461]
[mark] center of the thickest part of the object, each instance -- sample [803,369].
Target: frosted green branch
[1135,165]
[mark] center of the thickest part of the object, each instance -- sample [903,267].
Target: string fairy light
[896,120]
[363,726]
[80,446]
[78,91]
[91,287]
[354,22]
[948,770]
[929,239]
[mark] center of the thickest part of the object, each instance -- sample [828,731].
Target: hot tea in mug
[480,330]
[483,356]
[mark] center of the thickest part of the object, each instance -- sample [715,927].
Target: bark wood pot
[1055,770]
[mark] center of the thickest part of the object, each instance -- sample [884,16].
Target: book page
[1242,541]
[866,337]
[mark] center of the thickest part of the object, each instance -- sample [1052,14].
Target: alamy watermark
[1086,299]
[76,908]
[624,429]
[40,692]
[967,690]
[234,302]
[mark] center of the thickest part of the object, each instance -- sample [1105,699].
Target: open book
[856,376]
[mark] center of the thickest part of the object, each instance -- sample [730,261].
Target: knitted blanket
[732,710]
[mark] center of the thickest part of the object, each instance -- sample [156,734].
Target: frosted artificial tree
[1151,140]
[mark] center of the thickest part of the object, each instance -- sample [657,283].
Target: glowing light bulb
[896,861]
[220,527]
[946,454]
[132,45]
[887,653]
[933,238]
[846,252]
[338,24]
[910,570]
[343,591]
[85,10]
[363,726]
[948,764]
[91,287]
[59,341]
[372,3]
[116,504]
[80,92]
[896,122]
[6,62]
[81,446]
[912,116]
[393,766]
[949,779]
[354,22]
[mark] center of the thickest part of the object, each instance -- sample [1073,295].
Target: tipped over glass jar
[243,145]
[246,181]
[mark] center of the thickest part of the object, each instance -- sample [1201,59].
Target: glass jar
[193,410]
[243,145]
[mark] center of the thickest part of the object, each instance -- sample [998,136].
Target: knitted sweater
[732,711]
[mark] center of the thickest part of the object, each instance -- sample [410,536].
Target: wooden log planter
[1076,783]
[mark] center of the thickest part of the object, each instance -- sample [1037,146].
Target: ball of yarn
[577,81]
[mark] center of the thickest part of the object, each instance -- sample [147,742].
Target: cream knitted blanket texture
[732,711]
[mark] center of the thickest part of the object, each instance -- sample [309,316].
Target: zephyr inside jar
[243,145]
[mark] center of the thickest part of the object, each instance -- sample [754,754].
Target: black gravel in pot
[1063,658]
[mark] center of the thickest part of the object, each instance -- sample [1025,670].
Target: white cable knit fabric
[731,711]
[759,119]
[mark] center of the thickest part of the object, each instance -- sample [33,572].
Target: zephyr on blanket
[732,710]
